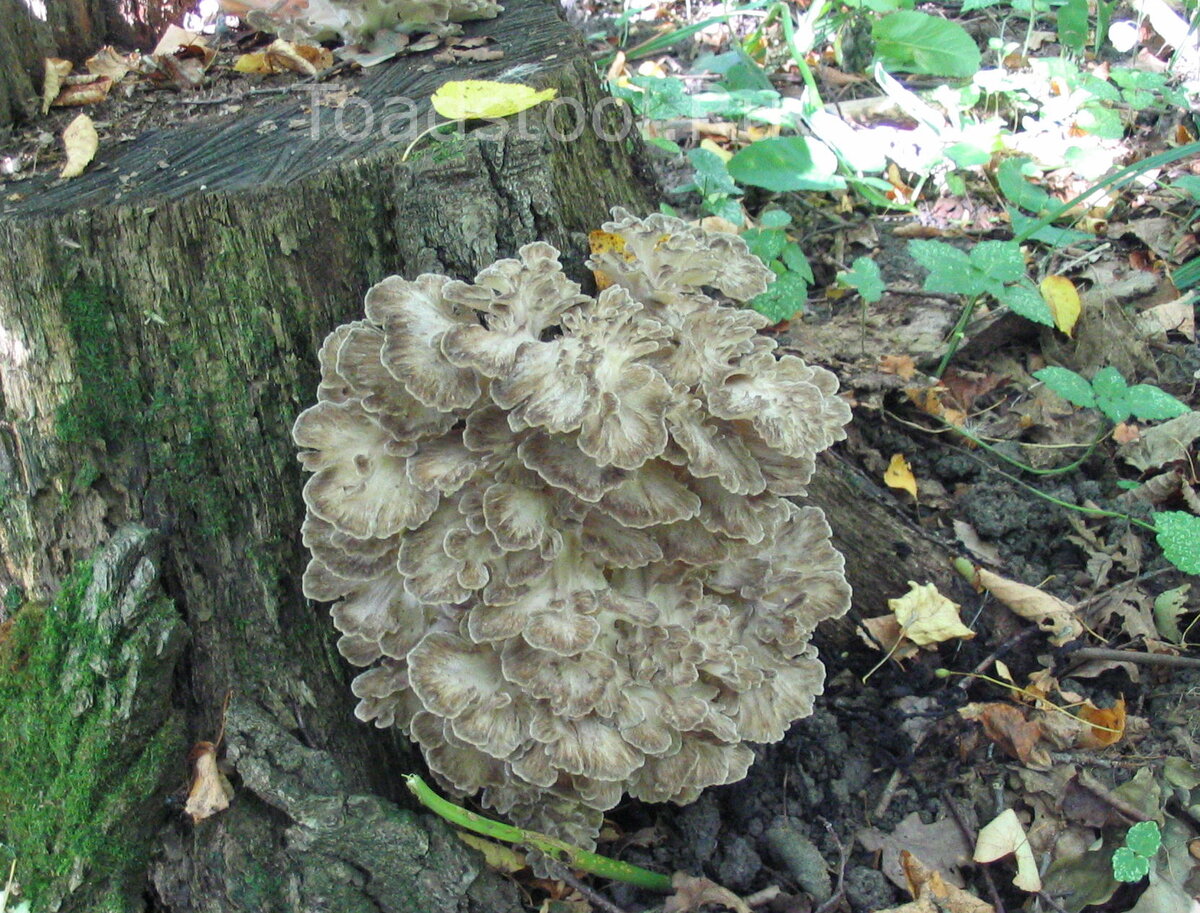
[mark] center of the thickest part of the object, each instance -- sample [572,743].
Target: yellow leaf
[928,617]
[719,151]
[81,143]
[1002,836]
[1061,295]
[55,71]
[498,856]
[469,99]
[899,475]
[254,62]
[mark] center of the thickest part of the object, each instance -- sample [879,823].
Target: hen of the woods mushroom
[556,527]
[373,30]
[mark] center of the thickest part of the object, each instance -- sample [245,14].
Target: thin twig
[970,836]
[1137,656]
[763,897]
[839,890]
[595,898]
[1098,789]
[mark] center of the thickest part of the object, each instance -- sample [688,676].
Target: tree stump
[158,336]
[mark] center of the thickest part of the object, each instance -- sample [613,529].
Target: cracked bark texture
[158,336]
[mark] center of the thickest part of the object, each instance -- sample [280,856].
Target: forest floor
[876,802]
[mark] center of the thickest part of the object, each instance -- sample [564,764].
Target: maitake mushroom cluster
[372,30]
[556,527]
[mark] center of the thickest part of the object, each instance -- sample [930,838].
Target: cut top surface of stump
[276,139]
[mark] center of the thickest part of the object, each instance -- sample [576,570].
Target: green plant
[576,857]
[995,268]
[718,191]
[784,297]
[1109,392]
[864,277]
[1131,862]
[912,42]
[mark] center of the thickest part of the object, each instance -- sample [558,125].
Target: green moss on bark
[89,745]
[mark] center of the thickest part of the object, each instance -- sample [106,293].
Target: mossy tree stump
[159,323]
[158,336]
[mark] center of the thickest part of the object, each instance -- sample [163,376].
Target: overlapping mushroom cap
[373,28]
[556,527]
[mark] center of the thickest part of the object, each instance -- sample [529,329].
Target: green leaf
[1112,394]
[712,177]
[665,144]
[1189,184]
[972,5]
[1187,275]
[783,299]
[1168,606]
[1001,260]
[775,218]
[1016,189]
[1150,404]
[1073,25]
[728,209]
[787,163]
[1178,535]
[765,243]
[793,257]
[913,42]
[1129,866]
[1144,838]
[1047,234]
[1070,386]
[865,278]
[950,269]
[1026,301]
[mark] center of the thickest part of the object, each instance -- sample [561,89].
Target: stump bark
[158,333]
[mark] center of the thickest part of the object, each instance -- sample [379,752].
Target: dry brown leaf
[890,636]
[902,366]
[1007,727]
[83,90]
[55,70]
[1177,316]
[1052,615]
[81,142]
[176,39]
[692,893]
[933,895]
[1103,720]
[108,61]
[210,791]
[938,847]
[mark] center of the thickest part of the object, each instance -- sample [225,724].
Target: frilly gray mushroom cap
[372,24]
[555,527]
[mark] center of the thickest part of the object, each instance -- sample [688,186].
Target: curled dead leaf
[81,142]
[1007,727]
[1004,835]
[1107,724]
[927,617]
[1052,615]
[692,893]
[899,475]
[55,70]
[210,791]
